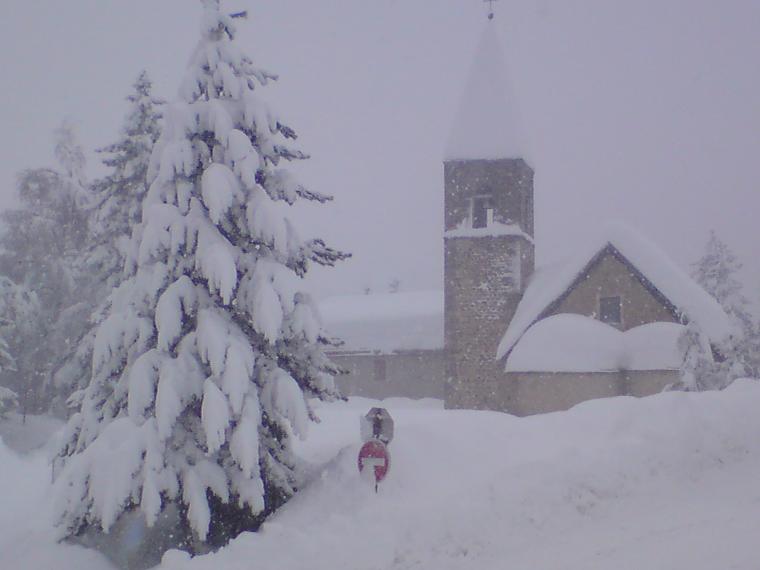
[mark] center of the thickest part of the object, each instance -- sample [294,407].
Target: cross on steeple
[490,8]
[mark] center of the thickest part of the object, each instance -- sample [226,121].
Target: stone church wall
[542,392]
[611,277]
[642,383]
[414,374]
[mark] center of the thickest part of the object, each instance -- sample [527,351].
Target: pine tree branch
[320,253]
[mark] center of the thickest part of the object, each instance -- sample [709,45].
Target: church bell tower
[488,238]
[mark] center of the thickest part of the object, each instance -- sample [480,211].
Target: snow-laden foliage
[8,401]
[201,369]
[699,370]
[114,211]
[716,271]
[118,196]
[41,245]
[21,339]
[18,311]
[19,325]
[71,157]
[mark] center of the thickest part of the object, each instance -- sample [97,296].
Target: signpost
[374,455]
[377,433]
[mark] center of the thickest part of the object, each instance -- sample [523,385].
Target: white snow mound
[667,481]
[576,343]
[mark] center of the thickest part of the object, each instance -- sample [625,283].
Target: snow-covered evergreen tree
[201,370]
[118,196]
[42,241]
[699,371]
[20,328]
[115,210]
[19,313]
[72,319]
[71,157]
[716,272]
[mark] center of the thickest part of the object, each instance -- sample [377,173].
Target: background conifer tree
[114,212]
[40,251]
[699,370]
[716,271]
[19,321]
[117,197]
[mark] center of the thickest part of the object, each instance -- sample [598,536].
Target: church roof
[385,322]
[487,125]
[550,284]
[583,344]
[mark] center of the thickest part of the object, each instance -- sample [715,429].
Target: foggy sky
[646,112]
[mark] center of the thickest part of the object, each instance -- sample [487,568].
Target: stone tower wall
[484,278]
[510,181]
[479,304]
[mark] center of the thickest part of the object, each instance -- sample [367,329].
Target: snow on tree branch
[202,366]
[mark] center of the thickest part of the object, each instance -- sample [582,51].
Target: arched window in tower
[482,211]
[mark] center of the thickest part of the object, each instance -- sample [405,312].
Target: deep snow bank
[26,537]
[662,482]
[31,433]
[665,482]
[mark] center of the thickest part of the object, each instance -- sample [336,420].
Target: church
[504,334]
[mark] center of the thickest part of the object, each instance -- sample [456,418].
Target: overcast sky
[645,111]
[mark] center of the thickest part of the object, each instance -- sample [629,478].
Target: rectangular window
[610,310]
[482,211]
[380,368]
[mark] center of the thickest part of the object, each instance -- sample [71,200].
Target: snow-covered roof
[487,124]
[387,322]
[576,343]
[550,283]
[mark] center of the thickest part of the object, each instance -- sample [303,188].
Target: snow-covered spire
[487,125]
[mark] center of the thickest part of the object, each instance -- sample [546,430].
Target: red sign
[374,454]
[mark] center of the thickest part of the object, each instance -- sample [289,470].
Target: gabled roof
[385,322]
[648,263]
[487,124]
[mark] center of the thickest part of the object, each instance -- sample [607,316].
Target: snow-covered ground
[24,435]
[665,482]
[26,537]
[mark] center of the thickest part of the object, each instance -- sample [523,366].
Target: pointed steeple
[487,125]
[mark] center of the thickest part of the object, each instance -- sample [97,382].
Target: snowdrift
[664,482]
[26,537]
